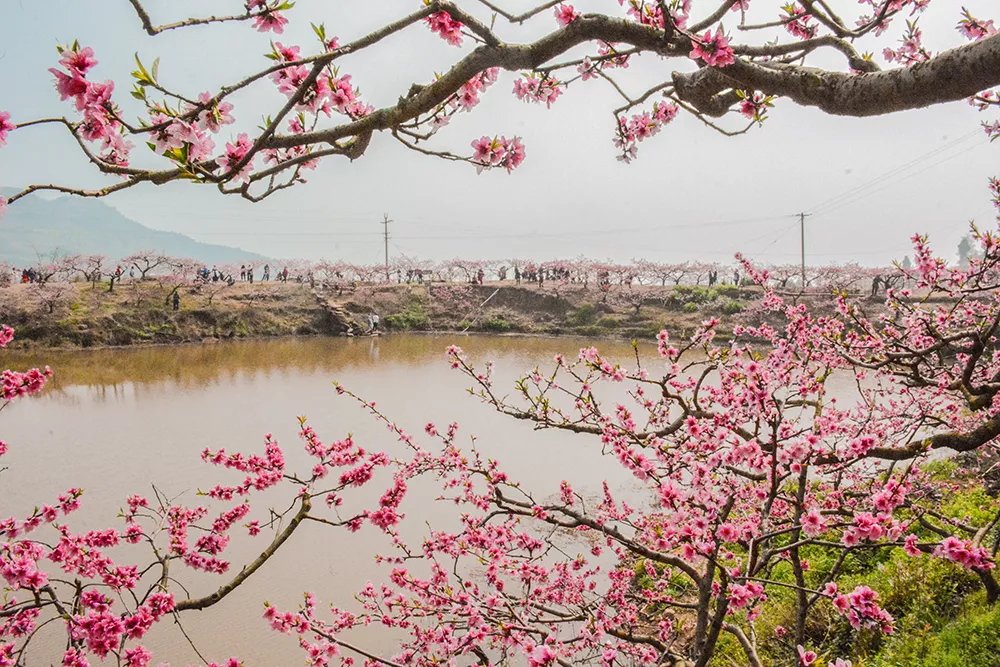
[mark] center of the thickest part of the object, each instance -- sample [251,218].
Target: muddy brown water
[117,421]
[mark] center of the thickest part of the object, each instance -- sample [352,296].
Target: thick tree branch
[953,75]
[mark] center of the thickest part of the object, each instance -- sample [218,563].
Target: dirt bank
[141,313]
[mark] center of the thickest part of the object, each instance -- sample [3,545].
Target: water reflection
[203,365]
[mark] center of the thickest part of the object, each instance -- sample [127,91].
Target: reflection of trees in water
[115,372]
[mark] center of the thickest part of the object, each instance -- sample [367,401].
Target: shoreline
[81,316]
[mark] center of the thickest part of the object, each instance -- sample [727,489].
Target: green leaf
[156,68]
[320,31]
[141,68]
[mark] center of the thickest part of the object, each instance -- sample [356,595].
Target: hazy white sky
[692,194]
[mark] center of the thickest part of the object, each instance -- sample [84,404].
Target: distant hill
[34,227]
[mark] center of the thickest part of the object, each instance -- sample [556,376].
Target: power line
[853,193]
[476,235]
[854,200]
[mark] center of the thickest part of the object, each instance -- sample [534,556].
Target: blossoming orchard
[759,488]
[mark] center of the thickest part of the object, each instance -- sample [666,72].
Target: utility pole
[385,223]
[802,234]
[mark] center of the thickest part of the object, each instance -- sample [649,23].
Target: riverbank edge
[138,315]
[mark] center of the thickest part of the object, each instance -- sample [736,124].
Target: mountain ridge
[35,228]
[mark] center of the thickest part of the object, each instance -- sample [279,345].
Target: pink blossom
[74,658]
[5,126]
[79,61]
[214,115]
[975,29]
[497,152]
[69,86]
[541,656]
[565,14]
[538,89]
[713,49]
[806,658]
[168,137]
[449,29]
[137,657]
[270,20]
[233,155]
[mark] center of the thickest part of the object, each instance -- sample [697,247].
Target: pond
[118,421]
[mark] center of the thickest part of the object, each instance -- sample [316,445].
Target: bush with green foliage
[496,324]
[412,318]
[731,307]
[582,316]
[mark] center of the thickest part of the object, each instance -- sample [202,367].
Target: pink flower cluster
[326,94]
[14,384]
[171,134]
[861,608]
[448,28]
[538,89]
[973,28]
[741,595]
[468,95]
[266,18]
[497,152]
[608,60]
[100,117]
[871,527]
[797,21]
[641,127]
[566,14]
[713,49]
[648,13]
[211,115]
[5,126]
[965,553]
[754,106]
[911,50]
[103,631]
[235,153]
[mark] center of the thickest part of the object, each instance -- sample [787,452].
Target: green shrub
[730,291]
[971,640]
[496,324]
[582,316]
[609,322]
[731,307]
[589,330]
[695,293]
[690,307]
[412,318]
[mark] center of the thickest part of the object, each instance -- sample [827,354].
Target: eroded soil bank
[80,315]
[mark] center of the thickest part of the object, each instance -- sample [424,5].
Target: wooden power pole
[802,234]
[385,223]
